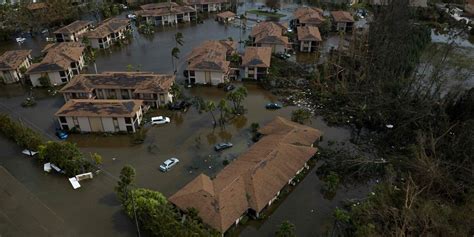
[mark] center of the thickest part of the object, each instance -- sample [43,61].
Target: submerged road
[22,214]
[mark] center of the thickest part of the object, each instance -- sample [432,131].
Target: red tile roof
[253,179]
[309,33]
[342,16]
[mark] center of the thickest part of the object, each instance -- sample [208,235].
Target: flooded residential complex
[232,118]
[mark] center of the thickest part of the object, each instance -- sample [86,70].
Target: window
[62,74]
[192,73]
[129,129]
[62,119]
[162,98]
[128,120]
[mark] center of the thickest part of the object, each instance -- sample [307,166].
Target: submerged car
[222,146]
[283,55]
[178,105]
[160,120]
[168,164]
[273,106]
[229,87]
[61,134]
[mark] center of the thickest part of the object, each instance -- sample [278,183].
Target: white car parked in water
[160,120]
[168,164]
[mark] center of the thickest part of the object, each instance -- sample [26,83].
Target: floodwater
[93,210]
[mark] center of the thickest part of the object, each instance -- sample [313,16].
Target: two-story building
[13,64]
[309,38]
[88,115]
[61,63]
[225,17]
[166,13]
[342,21]
[307,16]
[254,180]
[270,34]
[152,88]
[256,62]
[209,63]
[108,32]
[73,31]
[208,5]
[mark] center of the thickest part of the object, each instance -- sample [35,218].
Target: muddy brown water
[93,210]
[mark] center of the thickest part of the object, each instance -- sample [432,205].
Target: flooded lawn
[93,210]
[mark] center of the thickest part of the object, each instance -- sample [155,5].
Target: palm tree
[236,97]
[174,55]
[286,229]
[210,107]
[178,39]
[223,109]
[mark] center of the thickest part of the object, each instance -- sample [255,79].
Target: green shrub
[23,136]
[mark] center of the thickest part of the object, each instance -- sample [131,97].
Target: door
[96,124]
[207,77]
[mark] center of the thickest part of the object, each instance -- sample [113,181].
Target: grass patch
[265,13]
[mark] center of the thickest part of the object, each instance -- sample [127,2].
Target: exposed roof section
[100,108]
[11,60]
[211,55]
[309,33]
[152,6]
[257,57]
[73,27]
[254,178]
[107,27]
[309,15]
[342,16]
[140,82]
[164,11]
[226,14]
[59,57]
[268,32]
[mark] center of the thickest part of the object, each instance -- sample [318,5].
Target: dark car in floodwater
[229,87]
[222,146]
[179,105]
[61,134]
[273,106]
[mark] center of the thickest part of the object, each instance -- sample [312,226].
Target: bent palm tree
[174,55]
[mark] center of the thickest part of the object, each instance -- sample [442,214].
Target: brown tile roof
[152,6]
[59,57]
[309,15]
[73,27]
[107,27]
[257,57]
[253,179]
[165,11]
[309,33]
[140,82]
[226,14]
[211,55]
[342,16]
[268,32]
[100,108]
[11,60]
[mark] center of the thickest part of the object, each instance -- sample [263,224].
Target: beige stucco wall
[54,77]
[214,78]
[107,123]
